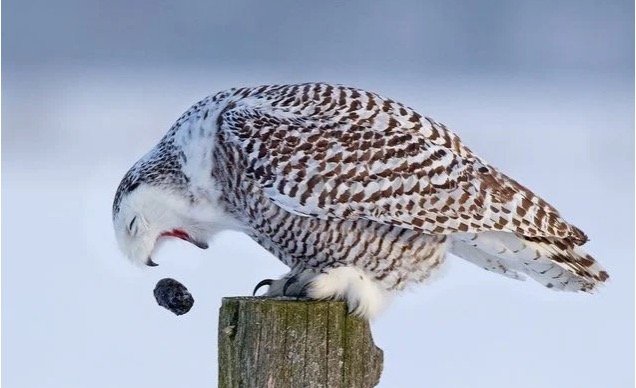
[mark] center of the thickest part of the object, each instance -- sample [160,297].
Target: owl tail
[555,263]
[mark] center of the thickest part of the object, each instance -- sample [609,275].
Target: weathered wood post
[289,343]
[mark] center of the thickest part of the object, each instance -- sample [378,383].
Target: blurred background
[542,89]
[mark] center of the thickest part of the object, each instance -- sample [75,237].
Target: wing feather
[335,152]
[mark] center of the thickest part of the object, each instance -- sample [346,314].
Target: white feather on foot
[363,295]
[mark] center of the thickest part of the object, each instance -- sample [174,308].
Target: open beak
[178,233]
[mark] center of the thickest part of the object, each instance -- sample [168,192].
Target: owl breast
[390,255]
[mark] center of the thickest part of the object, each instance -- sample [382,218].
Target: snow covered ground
[75,313]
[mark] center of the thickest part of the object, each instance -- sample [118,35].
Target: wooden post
[272,343]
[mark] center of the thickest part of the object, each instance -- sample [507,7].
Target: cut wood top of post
[285,342]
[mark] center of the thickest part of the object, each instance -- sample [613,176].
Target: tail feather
[485,260]
[555,263]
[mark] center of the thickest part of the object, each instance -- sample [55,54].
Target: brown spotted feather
[329,176]
[337,152]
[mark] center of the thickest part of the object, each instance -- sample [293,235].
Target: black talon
[292,279]
[264,282]
[303,291]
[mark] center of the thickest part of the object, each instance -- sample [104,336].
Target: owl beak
[199,244]
[178,233]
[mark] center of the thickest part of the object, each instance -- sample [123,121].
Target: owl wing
[335,152]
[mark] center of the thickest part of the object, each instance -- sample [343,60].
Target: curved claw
[292,279]
[151,263]
[303,291]
[264,282]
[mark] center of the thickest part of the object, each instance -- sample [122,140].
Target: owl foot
[363,295]
[292,285]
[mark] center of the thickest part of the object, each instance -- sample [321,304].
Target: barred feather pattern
[326,176]
[336,152]
[331,157]
[392,256]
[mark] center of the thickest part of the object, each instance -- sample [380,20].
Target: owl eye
[132,224]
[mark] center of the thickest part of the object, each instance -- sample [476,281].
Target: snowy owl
[359,195]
